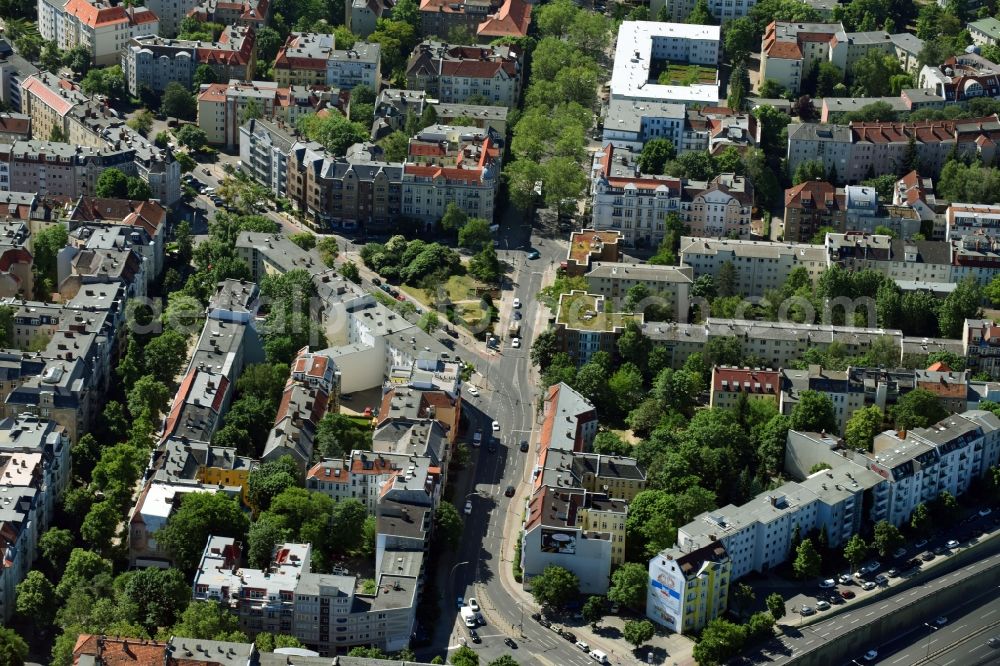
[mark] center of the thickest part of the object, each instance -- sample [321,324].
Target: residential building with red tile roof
[222,106]
[722,207]
[729,384]
[14,127]
[810,206]
[146,217]
[790,49]
[511,20]
[917,193]
[229,12]
[103,27]
[154,62]
[310,59]
[485,20]
[855,151]
[454,73]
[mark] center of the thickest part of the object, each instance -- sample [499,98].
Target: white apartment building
[718,208]
[309,59]
[264,151]
[790,50]
[629,124]
[969,219]
[613,280]
[758,534]
[102,27]
[760,265]
[171,13]
[625,200]
[643,43]
[723,10]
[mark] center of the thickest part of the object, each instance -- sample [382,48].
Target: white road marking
[990,613]
[869,613]
[883,607]
[896,661]
[855,620]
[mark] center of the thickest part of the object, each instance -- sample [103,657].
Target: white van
[599,657]
[469,616]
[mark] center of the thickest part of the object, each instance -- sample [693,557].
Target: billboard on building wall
[664,598]
[556,541]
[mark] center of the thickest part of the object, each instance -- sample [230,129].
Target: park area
[683,74]
[461,291]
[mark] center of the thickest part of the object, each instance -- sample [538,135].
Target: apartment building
[848,390]
[811,206]
[265,147]
[312,59]
[111,223]
[453,73]
[312,391]
[631,204]
[964,219]
[293,596]
[581,531]
[102,27]
[233,12]
[154,62]
[719,208]
[588,246]
[171,13]
[678,10]
[222,107]
[981,346]
[363,475]
[687,589]
[859,149]
[570,420]
[628,124]
[670,286]
[14,127]
[643,45]
[729,385]
[361,16]
[761,266]
[485,20]
[201,464]
[789,50]
[985,31]
[776,344]
[961,78]
[714,129]
[583,326]
[13,71]
[349,192]
[451,165]
[917,192]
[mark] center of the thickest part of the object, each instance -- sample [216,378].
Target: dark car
[524,446]
[545,623]
[475,636]
[927,557]
[568,635]
[509,492]
[517,315]
[836,599]
[376,281]
[450,331]
[509,642]
[537,617]
[492,446]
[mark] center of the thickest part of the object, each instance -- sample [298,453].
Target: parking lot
[807,601]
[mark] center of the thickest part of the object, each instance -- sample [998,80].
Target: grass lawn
[678,74]
[461,291]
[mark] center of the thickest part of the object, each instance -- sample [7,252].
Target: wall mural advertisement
[554,541]
[664,599]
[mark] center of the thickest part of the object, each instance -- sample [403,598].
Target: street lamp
[929,634]
[451,578]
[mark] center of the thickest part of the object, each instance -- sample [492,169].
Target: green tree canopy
[199,516]
[555,586]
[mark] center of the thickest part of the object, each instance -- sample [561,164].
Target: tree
[855,551]
[268,642]
[82,569]
[739,87]
[775,605]
[862,428]
[918,408]
[655,155]
[336,435]
[13,649]
[100,526]
[544,348]
[485,266]
[350,272]
[701,14]
[148,396]
[593,610]
[448,525]
[203,75]
[269,479]
[739,40]
[555,586]
[36,599]
[208,620]
[960,304]
[696,165]
[334,131]
[886,538]
[178,102]
[141,121]
[720,641]
[475,234]
[193,137]
[429,322]
[78,59]
[871,74]
[154,597]
[743,596]
[200,515]
[814,413]
[610,444]
[637,632]
[138,189]
[828,76]
[165,356]
[920,520]
[770,89]
[807,561]
[809,170]
[112,184]
[465,656]
[454,218]
[504,660]
[628,585]
[564,182]
[55,546]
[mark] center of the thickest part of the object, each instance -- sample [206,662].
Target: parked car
[927,556]
[845,579]
[941,621]
[509,642]
[893,572]
[524,446]
[920,544]
[807,610]
[568,635]
[836,599]
[827,584]
[898,553]
[468,507]
[509,492]
[537,617]
[475,636]
[952,543]
[847,594]
[517,303]
[515,343]
[376,282]
[871,655]
[882,579]
[868,585]
[583,646]
[472,390]
[473,604]
[822,605]
[533,254]
[496,426]
[517,315]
